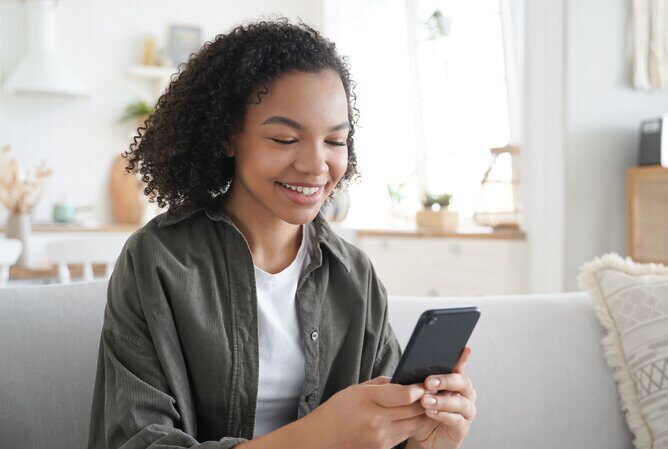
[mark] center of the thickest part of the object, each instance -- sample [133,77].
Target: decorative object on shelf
[654,142]
[336,208]
[500,203]
[435,214]
[125,193]
[18,227]
[149,54]
[20,191]
[64,211]
[183,41]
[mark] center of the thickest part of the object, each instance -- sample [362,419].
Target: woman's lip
[300,198]
[302,184]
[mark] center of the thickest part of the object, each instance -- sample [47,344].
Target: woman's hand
[449,409]
[373,414]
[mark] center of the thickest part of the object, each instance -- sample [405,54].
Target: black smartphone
[436,344]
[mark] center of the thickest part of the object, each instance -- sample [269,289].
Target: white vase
[19,227]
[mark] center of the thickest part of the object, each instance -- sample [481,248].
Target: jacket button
[314,336]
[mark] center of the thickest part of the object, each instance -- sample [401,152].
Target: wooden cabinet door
[647,214]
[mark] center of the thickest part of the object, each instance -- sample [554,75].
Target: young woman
[238,318]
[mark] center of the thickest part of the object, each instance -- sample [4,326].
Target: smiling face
[294,139]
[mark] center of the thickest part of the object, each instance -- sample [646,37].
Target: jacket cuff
[230,442]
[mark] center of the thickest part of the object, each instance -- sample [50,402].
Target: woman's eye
[338,144]
[284,142]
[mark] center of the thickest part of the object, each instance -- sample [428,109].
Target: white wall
[602,119]
[102,39]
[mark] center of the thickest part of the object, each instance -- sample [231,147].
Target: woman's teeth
[308,191]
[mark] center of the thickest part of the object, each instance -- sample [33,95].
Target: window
[433,99]
[462,95]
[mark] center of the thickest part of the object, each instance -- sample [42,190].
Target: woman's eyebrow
[278,119]
[282,121]
[343,125]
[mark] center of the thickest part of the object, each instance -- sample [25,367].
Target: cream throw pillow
[631,302]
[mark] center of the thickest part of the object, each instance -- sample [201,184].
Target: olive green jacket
[178,354]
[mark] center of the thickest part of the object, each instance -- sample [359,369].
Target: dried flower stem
[20,190]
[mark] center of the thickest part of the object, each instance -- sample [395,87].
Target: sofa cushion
[49,339]
[631,302]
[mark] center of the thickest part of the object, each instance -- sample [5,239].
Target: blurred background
[502,143]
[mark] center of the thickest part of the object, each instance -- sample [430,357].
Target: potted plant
[435,213]
[137,111]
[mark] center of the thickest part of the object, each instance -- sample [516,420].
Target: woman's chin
[300,217]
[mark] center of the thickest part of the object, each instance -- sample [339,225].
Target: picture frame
[183,41]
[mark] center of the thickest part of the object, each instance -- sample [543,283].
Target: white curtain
[650,44]
[372,34]
[512,25]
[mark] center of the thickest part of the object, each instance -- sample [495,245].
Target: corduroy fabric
[178,353]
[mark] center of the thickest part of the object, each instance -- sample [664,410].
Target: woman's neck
[273,242]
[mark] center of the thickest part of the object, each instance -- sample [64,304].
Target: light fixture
[42,70]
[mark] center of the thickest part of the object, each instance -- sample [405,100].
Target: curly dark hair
[180,149]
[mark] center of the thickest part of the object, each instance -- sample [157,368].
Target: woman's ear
[228,151]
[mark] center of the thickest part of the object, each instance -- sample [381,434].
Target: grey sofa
[49,337]
[537,367]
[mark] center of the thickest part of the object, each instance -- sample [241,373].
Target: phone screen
[436,344]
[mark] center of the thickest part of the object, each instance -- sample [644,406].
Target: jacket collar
[323,232]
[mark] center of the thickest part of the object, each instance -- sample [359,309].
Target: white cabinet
[438,266]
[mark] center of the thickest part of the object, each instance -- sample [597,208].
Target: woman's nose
[312,160]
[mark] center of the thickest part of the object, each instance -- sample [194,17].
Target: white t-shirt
[281,375]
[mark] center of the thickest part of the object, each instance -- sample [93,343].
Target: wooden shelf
[110,227]
[154,72]
[462,233]
[50,271]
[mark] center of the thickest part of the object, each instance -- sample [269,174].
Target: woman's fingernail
[433,382]
[429,400]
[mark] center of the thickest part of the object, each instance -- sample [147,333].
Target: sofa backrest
[537,367]
[49,341]
[538,370]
